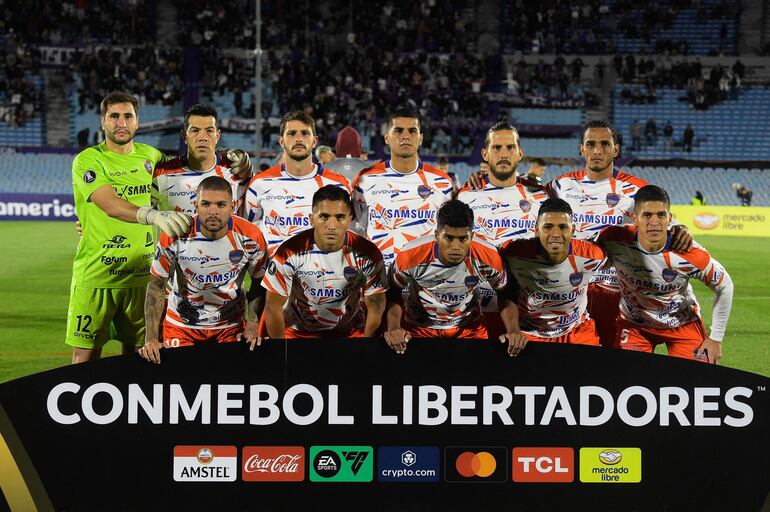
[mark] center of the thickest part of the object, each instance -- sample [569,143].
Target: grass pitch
[37,258]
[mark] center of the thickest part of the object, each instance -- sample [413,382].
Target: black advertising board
[350,425]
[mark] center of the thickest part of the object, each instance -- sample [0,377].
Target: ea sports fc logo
[482,464]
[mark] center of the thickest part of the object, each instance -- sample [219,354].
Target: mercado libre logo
[341,463]
[610,465]
[476,464]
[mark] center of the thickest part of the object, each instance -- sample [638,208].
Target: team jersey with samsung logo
[324,288]
[176,184]
[280,204]
[655,287]
[552,299]
[596,205]
[501,214]
[393,209]
[443,296]
[207,275]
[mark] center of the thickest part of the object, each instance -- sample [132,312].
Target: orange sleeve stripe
[586,249]
[630,178]
[698,257]
[171,167]
[378,168]
[487,255]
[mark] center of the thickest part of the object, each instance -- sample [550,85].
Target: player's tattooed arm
[375,307]
[395,336]
[256,303]
[154,303]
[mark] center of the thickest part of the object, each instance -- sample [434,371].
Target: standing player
[503,208]
[279,199]
[315,278]
[601,195]
[658,304]
[208,265]
[396,200]
[112,182]
[176,181]
[442,275]
[552,273]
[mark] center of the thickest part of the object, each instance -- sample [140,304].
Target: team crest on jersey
[424,191]
[235,256]
[669,275]
[525,205]
[350,273]
[89,176]
[471,281]
[576,278]
[612,200]
[148,166]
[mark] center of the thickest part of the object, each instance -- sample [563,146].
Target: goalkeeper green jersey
[113,253]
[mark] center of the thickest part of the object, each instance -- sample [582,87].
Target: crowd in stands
[75,22]
[552,26]
[154,75]
[20,100]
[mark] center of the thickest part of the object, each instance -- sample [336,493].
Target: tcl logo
[273,464]
[543,465]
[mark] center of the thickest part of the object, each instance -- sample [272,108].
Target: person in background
[324,155]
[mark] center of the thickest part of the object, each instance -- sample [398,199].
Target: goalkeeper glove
[240,163]
[174,224]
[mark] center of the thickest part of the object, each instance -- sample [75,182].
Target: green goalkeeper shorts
[92,310]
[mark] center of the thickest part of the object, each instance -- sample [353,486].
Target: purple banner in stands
[37,206]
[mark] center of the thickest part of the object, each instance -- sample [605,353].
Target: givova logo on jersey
[205,463]
[341,463]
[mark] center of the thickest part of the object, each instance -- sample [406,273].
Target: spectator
[324,155]
[698,199]
[668,136]
[743,193]
[688,137]
[651,132]
[636,136]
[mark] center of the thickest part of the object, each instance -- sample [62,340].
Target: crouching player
[657,303]
[315,279]
[442,275]
[552,272]
[207,266]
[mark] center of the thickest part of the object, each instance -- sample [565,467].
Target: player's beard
[214,224]
[123,140]
[298,156]
[502,176]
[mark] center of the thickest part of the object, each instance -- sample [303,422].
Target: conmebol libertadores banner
[351,425]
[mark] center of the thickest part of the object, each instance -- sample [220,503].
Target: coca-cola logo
[273,464]
[284,463]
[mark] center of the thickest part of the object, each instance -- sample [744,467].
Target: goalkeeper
[112,183]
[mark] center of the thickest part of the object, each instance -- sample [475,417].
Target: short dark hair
[404,111]
[539,161]
[651,193]
[501,126]
[297,115]
[215,183]
[332,193]
[202,110]
[554,205]
[116,97]
[454,214]
[600,123]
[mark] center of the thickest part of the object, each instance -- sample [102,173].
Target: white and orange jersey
[280,203]
[655,287]
[176,184]
[206,276]
[501,214]
[443,296]
[552,298]
[393,209]
[596,205]
[324,288]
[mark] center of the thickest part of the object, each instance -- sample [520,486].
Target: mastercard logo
[706,220]
[481,464]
